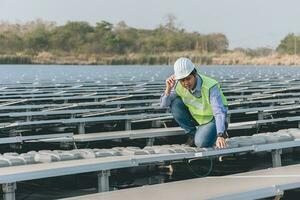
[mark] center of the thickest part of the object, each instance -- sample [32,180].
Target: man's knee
[177,104]
[206,135]
[183,116]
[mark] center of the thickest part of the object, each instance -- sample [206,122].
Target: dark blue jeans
[204,135]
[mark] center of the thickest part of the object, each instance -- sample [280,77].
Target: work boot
[190,141]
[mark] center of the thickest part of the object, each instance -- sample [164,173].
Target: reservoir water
[113,74]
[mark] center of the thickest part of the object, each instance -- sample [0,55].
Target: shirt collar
[198,85]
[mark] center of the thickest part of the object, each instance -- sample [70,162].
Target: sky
[246,23]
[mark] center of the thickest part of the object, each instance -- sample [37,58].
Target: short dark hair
[194,72]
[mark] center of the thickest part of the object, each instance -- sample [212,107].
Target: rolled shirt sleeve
[218,108]
[165,101]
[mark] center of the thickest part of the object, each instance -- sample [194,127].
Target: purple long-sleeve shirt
[218,108]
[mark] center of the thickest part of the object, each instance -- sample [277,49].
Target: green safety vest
[200,108]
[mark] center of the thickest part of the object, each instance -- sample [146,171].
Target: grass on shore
[230,58]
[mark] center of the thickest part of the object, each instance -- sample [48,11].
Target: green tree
[10,43]
[37,39]
[290,44]
[128,38]
[71,37]
[217,42]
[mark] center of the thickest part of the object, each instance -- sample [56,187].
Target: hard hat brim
[181,77]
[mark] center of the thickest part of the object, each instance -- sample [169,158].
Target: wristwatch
[223,135]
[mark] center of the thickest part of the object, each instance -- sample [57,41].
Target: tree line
[104,38]
[104,43]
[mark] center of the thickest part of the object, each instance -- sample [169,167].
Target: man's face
[188,82]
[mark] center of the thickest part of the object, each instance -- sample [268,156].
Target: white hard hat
[183,67]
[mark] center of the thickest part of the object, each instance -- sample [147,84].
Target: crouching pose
[197,104]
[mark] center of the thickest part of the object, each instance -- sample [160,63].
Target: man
[197,104]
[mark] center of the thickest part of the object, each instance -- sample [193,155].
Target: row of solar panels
[88,112]
[228,90]
[63,115]
[65,118]
[46,156]
[258,184]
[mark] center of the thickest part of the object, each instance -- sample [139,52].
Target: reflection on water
[129,73]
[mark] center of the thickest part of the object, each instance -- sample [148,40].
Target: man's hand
[170,82]
[221,142]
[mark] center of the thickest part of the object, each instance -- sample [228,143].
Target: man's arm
[169,94]
[220,113]
[165,101]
